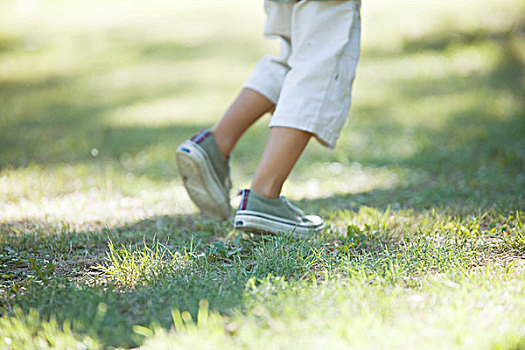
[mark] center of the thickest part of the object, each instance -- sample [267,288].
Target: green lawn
[424,196]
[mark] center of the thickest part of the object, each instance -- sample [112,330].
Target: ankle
[223,143]
[267,191]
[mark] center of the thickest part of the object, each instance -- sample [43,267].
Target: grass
[424,199]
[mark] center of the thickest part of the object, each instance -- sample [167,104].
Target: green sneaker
[206,175]
[266,215]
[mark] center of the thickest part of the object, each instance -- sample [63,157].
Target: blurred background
[96,95]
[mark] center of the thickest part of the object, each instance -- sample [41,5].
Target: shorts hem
[266,92]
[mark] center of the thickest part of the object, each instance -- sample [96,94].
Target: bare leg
[282,151]
[244,111]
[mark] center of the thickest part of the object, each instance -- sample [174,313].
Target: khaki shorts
[311,81]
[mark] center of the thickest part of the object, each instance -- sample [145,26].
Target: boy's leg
[203,160]
[315,97]
[282,151]
[262,90]
[314,101]
[244,111]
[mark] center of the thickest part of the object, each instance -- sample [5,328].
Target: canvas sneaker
[267,215]
[206,175]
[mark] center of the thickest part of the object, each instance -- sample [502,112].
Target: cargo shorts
[311,81]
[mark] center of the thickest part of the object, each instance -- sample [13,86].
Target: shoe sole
[256,222]
[201,183]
